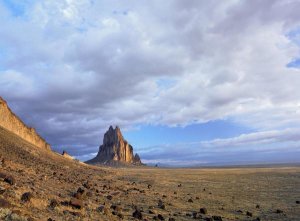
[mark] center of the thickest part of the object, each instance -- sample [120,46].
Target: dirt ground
[37,184]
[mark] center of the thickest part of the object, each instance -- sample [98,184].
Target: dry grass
[226,190]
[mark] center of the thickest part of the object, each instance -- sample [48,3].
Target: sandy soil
[63,189]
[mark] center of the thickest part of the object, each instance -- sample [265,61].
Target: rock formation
[115,149]
[66,155]
[11,122]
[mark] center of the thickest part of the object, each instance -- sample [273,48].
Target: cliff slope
[11,122]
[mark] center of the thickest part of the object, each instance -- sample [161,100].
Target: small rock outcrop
[12,123]
[66,155]
[115,150]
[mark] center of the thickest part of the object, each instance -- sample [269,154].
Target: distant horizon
[195,82]
[230,165]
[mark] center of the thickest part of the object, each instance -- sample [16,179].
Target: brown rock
[103,209]
[76,203]
[4,203]
[26,197]
[137,214]
[160,217]
[87,185]
[53,203]
[249,214]
[2,175]
[203,211]
[116,208]
[2,190]
[115,149]
[79,193]
[65,203]
[10,180]
[217,218]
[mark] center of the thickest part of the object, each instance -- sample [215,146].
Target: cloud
[71,68]
[257,147]
[258,138]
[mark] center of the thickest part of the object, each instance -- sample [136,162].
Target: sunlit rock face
[115,149]
[13,123]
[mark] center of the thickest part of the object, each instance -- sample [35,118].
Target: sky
[189,82]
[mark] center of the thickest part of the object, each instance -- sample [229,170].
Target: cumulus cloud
[71,68]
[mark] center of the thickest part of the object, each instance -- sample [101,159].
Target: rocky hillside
[38,184]
[11,122]
[115,150]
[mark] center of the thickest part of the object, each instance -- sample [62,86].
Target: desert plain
[37,184]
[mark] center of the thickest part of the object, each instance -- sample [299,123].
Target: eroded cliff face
[115,149]
[11,122]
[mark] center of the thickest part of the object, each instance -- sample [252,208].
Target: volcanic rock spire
[115,149]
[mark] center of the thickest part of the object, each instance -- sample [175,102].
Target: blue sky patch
[294,36]
[151,135]
[17,8]
[165,83]
[294,64]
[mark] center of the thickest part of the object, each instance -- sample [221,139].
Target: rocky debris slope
[11,122]
[115,149]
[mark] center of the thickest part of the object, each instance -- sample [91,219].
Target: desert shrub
[7,215]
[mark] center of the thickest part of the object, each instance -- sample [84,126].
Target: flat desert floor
[266,193]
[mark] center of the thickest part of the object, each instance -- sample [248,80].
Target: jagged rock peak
[113,136]
[115,149]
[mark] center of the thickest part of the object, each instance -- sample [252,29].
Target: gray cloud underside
[71,68]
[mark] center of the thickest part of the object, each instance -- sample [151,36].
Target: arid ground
[37,184]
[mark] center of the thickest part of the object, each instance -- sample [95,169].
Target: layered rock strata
[11,122]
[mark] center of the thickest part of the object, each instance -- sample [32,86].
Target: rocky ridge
[115,150]
[13,123]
